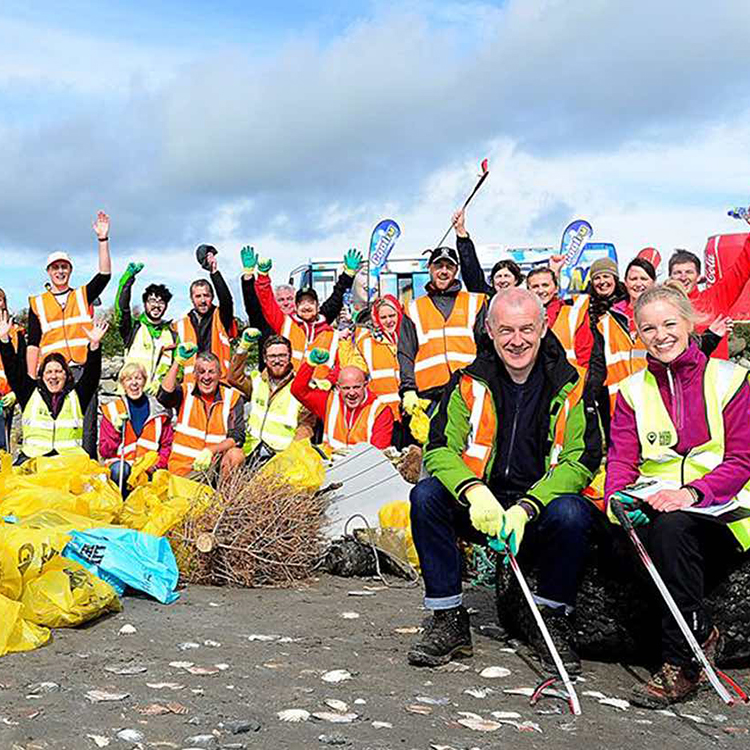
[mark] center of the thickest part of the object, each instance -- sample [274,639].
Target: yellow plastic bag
[23,554]
[300,465]
[66,595]
[395,516]
[16,634]
[139,470]
[60,520]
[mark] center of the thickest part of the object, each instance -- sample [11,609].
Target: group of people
[530,397]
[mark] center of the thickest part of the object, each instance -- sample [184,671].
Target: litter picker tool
[122,454]
[573,702]
[712,674]
[482,178]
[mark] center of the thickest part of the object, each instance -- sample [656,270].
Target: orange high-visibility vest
[443,346]
[483,421]
[199,427]
[220,344]
[569,320]
[135,446]
[340,432]
[4,384]
[301,344]
[622,355]
[63,328]
[382,365]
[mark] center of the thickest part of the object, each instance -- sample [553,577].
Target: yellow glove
[410,401]
[203,460]
[420,425]
[184,353]
[248,338]
[514,523]
[8,400]
[485,511]
[322,384]
[119,421]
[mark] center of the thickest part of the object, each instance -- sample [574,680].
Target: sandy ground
[257,678]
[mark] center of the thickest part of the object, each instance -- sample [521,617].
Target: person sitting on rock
[53,405]
[351,413]
[276,417]
[149,338]
[210,429]
[682,423]
[134,425]
[514,442]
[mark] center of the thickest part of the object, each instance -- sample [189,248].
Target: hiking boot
[563,636]
[669,685]
[672,684]
[447,636]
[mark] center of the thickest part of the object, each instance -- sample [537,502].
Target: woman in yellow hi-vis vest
[53,405]
[680,431]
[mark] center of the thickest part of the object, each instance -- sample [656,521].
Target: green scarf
[155,329]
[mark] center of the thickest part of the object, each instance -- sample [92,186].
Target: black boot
[563,636]
[446,637]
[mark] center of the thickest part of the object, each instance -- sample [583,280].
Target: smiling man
[514,442]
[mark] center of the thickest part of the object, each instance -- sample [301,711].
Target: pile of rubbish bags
[70,546]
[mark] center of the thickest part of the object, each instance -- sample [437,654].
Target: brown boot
[669,685]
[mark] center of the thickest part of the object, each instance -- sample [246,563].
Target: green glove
[485,511]
[120,421]
[249,260]
[248,338]
[317,357]
[133,269]
[203,460]
[352,261]
[511,533]
[264,265]
[185,352]
[636,515]
[8,401]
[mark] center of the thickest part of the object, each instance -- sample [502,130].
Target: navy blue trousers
[557,542]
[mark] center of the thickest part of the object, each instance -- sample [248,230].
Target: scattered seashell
[293,714]
[349,615]
[696,719]
[620,703]
[469,715]
[336,704]
[157,709]
[480,725]
[478,692]
[188,645]
[527,691]
[453,666]
[102,696]
[264,638]
[181,664]
[594,694]
[493,672]
[210,643]
[666,712]
[99,740]
[131,735]
[361,593]
[336,675]
[126,669]
[504,715]
[382,725]
[432,701]
[334,717]
[165,685]
[417,708]
[360,702]
[222,667]
[202,670]
[413,630]
[127,630]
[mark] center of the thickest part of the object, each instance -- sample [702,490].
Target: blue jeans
[114,473]
[557,542]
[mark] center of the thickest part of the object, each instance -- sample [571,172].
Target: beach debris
[165,685]
[453,666]
[102,696]
[382,725]
[478,724]
[479,692]
[131,735]
[361,593]
[492,673]
[181,664]
[126,668]
[263,638]
[188,645]
[527,691]
[36,689]
[349,615]
[505,715]
[99,740]
[127,630]
[336,675]
[158,709]
[620,703]
[293,714]
[411,630]
[432,701]
[418,708]
[202,670]
[336,704]
[333,739]
[335,717]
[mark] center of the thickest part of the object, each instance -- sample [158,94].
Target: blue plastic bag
[123,557]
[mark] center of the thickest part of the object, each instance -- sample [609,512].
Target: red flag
[484,166]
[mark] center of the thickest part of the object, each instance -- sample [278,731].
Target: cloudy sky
[297,129]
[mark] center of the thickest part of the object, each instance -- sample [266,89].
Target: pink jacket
[109,442]
[686,407]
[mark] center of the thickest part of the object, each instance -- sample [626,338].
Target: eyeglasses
[156,301]
[277,357]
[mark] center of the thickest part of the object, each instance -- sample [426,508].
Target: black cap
[443,253]
[306,292]
[201,255]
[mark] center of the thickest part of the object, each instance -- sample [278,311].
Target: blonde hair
[130,368]
[671,292]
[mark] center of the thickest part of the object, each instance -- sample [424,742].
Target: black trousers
[692,554]
[90,419]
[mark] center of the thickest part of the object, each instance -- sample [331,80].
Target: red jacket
[316,400]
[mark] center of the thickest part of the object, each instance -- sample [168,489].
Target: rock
[617,612]
[242,726]
[334,739]
[201,740]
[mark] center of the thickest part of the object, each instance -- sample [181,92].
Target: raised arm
[331,308]
[226,303]
[471,271]
[101,229]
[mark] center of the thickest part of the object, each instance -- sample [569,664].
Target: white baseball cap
[58,255]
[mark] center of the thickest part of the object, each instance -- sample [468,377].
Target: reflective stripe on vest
[622,356]
[198,427]
[569,320]
[220,344]
[657,434]
[42,433]
[63,329]
[301,344]
[341,434]
[149,353]
[382,365]
[443,346]
[272,420]
[149,439]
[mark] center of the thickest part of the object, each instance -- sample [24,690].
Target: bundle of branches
[257,531]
